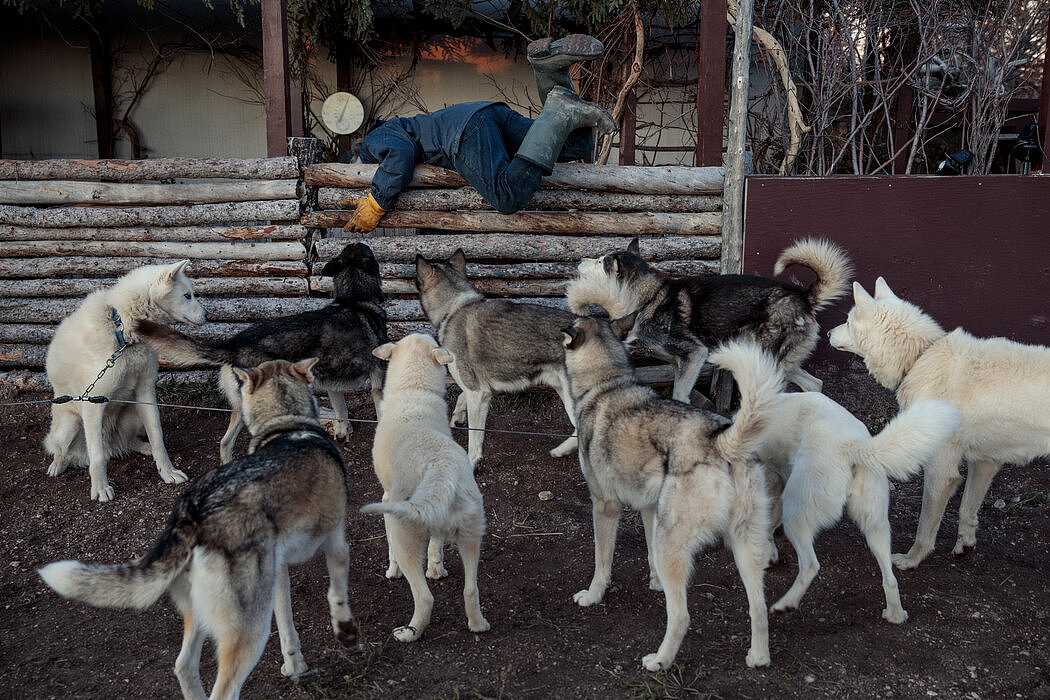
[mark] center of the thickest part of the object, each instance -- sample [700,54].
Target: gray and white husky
[224,555]
[89,340]
[1001,388]
[681,318]
[689,472]
[342,335]
[497,345]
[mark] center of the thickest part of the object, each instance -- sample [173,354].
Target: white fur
[821,459]
[84,433]
[1000,387]
[428,482]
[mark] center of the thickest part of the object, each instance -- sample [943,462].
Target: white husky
[85,342]
[428,482]
[820,458]
[1001,388]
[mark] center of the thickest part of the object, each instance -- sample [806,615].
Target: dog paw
[393,571]
[348,633]
[566,449]
[653,663]
[436,570]
[905,561]
[783,605]
[895,616]
[585,598]
[757,658]
[654,583]
[57,468]
[963,547]
[103,494]
[293,666]
[479,625]
[175,476]
[408,633]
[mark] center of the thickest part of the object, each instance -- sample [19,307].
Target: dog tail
[909,440]
[179,348]
[597,288]
[428,505]
[135,584]
[760,380]
[834,270]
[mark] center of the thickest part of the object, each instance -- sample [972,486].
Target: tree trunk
[75,192]
[544,200]
[114,170]
[188,215]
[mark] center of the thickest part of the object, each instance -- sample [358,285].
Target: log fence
[258,232]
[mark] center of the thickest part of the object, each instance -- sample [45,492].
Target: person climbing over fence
[501,153]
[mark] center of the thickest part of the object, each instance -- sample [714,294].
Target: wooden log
[40,192]
[204,286]
[403,249]
[273,232]
[22,355]
[467,198]
[528,270]
[246,250]
[187,215]
[554,223]
[667,179]
[114,170]
[34,268]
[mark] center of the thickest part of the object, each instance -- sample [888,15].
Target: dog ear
[383,352]
[571,337]
[173,270]
[423,266]
[302,369]
[622,326]
[245,379]
[862,301]
[458,261]
[441,356]
[882,290]
[634,247]
[332,267]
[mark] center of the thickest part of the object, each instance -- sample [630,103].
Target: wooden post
[1044,105]
[733,206]
[903,107]
[102,86]
[307,151]
[276,80]
[342,84]
[710,84]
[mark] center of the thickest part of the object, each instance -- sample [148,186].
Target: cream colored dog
[1001,388]
[428,482]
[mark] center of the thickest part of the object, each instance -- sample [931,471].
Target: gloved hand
[366,216]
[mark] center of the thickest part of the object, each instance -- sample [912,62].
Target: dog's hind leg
[294,663]
[751,555]
[801,534]
[606,515]
[979,477]
[673,555]
[571,444]
[436,559]
[342,427]
[145,394]
[459,412]
[470,553]
[187,664]
[648,516]
[871,513]
[804,380]
[239,644]
[65,424]
[392,569]
[376,379]
[686,372]
[477,413]
[940,479]
[229,438]
[92,414]
[410,542]
[337,559]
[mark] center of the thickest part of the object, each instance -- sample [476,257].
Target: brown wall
[971,251]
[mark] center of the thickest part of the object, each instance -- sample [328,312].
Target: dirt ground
[977,628]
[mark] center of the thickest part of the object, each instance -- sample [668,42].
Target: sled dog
[428,483]
[223,556]
[101,333]
[690,472]
[498,345]
[342,335]
[680,319]
[1000,387]
[819,459]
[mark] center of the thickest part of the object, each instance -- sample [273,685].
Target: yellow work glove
[366,216]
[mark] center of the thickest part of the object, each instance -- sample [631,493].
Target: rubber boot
[551,59]
[563,113]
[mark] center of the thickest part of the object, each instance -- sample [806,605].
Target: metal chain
[122,344]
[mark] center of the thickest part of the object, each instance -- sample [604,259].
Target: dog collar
[118,327]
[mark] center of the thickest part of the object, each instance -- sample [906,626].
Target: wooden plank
[482,246]
[664,179]
[204,286]
[246,250]
[710,83]
[116,170]
[276,76]
[33,268]
[186,215]
[40,192]
[273,232]
[733,208]
[586,223]
[488,286]
[531,270]
[22,355]
[445,199]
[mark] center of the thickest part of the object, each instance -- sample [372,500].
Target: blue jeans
[486,157]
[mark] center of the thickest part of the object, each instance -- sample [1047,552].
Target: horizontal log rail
[37,268]
[245,250]
[185,215]
[273,232]
[116,170]
[203,286]
[49,192]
